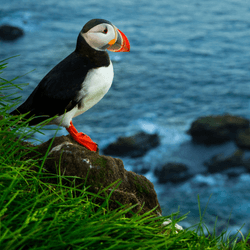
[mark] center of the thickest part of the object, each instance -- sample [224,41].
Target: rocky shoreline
[206,131]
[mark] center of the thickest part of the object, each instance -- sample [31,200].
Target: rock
[143,170]
[133,146]
[10,33]
[217,129]
[220,163]
[246,163]
[243,139]
[172,172]
[70,159]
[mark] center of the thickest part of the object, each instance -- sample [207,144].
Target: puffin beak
[120,43]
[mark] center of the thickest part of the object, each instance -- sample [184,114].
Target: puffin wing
[58,91]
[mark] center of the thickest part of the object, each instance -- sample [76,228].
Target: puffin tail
[34,121]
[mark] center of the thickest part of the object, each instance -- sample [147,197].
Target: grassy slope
[36,215]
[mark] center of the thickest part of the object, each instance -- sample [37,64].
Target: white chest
[95,86]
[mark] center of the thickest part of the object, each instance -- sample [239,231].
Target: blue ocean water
[188,59]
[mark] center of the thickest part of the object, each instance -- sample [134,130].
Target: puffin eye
[105,31]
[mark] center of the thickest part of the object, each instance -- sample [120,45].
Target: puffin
[78,82]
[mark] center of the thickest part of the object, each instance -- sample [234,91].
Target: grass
[38,215]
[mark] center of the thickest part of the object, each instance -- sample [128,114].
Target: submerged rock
[217,129]
[10,33]
[246,163]
[133,146]
[88,168]
[172,172]
[243,139]
[220,162]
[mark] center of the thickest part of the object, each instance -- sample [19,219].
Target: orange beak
[120,44]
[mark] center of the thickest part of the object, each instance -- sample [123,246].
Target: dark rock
[10,33]
[246,164]
[133,146]
[219,163]
[70,159]
[243,139]
[144,170]
[172,172]
[217,129]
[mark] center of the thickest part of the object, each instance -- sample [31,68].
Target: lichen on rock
[71,159]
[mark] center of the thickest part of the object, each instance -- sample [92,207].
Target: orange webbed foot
[82,138]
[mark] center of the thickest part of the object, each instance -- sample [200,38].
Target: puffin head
[101,35]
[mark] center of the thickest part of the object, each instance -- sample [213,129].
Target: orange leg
[82,138]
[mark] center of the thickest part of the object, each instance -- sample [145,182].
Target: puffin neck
[95,57]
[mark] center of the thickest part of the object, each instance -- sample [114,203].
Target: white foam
[150,176]
[169,135]
[147,127]
[201,179]
[244,178]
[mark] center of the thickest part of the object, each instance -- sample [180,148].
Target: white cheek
[96,40]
